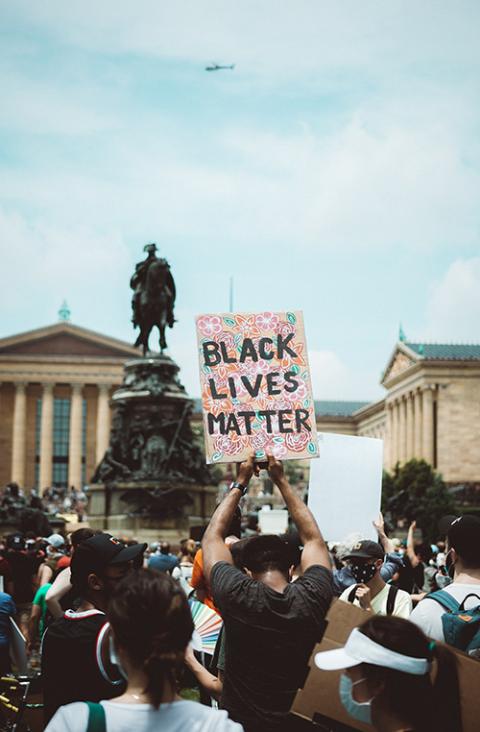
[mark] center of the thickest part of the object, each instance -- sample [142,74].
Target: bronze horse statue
[155,301]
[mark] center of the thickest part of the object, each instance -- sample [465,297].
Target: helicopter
[218,67]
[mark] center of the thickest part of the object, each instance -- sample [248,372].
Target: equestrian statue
[153,297]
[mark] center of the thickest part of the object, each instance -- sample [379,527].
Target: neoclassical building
[55,387]
[56,383]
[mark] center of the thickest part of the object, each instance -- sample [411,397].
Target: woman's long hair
[428,702]
[152,623]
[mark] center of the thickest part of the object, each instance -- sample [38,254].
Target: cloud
[333,379]
[453,308]
[292,37]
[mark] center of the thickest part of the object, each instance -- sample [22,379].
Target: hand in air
[275,469]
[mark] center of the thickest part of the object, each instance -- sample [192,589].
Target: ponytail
[446,691]
[161,668]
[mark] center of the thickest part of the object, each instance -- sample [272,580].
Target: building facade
[55,388]
[56,383]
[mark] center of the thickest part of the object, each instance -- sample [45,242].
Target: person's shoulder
[222,571]
[69,718]
[314,577]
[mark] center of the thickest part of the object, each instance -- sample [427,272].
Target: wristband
[242,488]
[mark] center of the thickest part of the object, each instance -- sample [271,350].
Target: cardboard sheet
[346,485]
[319,697]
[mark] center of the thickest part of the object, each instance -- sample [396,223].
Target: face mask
[359,711]
[363,573]
[114,659]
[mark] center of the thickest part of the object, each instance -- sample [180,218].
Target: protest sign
[273,521]
[256,389]
[345,485]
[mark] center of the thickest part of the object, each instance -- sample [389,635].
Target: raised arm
[414,560]
[213,542]
[387,544]
[315,550]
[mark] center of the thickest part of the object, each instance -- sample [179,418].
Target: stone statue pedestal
[153,477]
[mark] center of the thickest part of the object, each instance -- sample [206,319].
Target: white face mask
[114,659]
[360,711]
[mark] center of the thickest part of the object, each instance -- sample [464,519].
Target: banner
[256,390]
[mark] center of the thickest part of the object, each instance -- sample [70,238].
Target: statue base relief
[153,476]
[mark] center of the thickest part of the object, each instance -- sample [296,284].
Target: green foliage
[415,492]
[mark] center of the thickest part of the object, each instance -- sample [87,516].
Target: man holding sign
[271,624]
[256,389]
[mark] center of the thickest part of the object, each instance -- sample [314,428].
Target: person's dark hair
[81,535]
[152,623]
[263,553]
[236,550]
[165,547]
[426,702]
[424,552]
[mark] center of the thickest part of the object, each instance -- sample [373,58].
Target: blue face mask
[359,711]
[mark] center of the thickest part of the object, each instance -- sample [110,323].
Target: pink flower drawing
[209,325]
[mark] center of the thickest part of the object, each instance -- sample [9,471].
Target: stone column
[427,425]
[402,430]
[75,441]
[389,437]
[19,434]
[103,422]
[410,427]
[46,437]
[418,425]
[394,450]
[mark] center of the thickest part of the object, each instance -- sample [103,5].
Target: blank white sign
[346,485]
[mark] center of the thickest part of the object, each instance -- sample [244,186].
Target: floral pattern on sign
[255,386]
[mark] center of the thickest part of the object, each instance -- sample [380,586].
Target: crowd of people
[116,626]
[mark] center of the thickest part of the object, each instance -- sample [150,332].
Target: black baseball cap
[103,550]
[464,536]
[365,549]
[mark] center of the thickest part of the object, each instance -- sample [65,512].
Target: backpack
[461,628]
[392,596]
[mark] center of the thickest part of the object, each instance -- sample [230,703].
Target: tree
[414,491]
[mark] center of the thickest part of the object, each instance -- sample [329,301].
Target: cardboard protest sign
[319,698]
[345,485]
[256,389]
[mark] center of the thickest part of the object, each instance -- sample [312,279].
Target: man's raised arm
[315,550]
[213,542]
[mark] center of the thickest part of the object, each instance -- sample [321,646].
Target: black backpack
[392,596]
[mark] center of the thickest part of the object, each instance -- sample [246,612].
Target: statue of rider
[139,280]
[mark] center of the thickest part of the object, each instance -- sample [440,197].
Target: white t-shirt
[401,609]
[428,613]
[175,717]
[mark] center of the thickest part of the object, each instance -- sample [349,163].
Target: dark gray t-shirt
[270,636]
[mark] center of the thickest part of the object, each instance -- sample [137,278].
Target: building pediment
[65,339]
[400,361]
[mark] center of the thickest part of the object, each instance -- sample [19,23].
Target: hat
[108,550]
[361,649]
[464,536]
[56,540]
[365,549]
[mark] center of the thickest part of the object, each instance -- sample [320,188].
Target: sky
[335,170]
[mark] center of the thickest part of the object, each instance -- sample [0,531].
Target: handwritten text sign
[256,389]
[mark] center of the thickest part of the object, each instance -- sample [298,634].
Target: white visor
[360,649]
